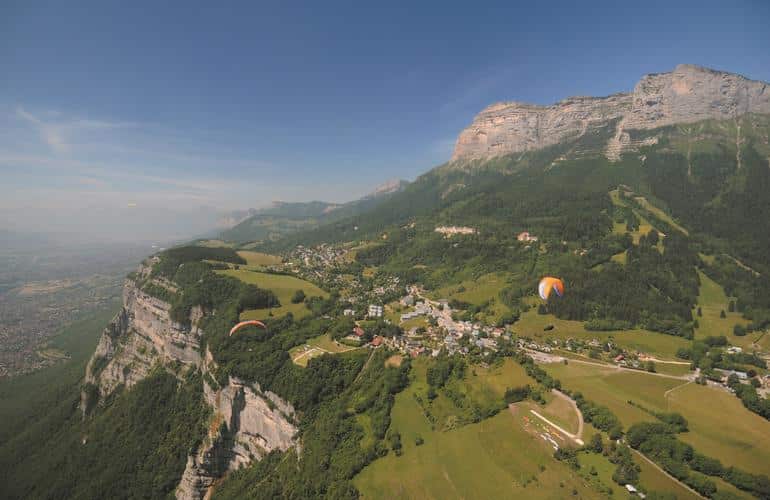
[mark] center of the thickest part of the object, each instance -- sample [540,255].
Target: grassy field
[282,286]
[484,386]
[660,214]
[603,468]
[531,324]
[719,424]
[315,347]
[214,244]
[620,228]
[477,291]
[654,480]
[495,458]
[620,258]
[673,369]
[613,388]
[561,412]
[259,258]
[721,427]
[509,457]
[644,225]
[712,300]
[419,321]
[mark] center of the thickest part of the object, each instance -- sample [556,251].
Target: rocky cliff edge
[686,95]
[246,422]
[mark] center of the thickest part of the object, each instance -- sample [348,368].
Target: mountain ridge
[687,94]
[282,217]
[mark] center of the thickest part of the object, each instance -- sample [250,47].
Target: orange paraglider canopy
[548,284]
[246,323]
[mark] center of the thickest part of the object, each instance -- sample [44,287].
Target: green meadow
[720,426]
[531,324]
[654,480]
[317,346]
[660,214]
[495,458]
[712,300]
[282,286]
[613,388]
[485,288]
[259,259]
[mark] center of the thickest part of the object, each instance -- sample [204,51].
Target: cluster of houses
[525,237]
[449,231]
[420,309]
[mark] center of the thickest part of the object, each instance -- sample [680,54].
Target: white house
[375,311]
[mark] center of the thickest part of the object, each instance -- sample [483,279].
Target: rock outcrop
[687,94]
[246,423]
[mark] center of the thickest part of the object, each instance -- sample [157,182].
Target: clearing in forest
[259,259]
[282,286]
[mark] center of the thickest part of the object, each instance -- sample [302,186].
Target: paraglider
[246,323]
[550,284]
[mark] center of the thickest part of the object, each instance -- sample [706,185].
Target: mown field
[721,427]
[531,324]
[719,424]
[317,346]
[282,286]
[613,388]
[495,458]
[501,457]
[259,259]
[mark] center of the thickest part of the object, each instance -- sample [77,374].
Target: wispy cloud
[63,172]
[57,133]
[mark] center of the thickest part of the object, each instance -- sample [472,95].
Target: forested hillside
[283,218]
[585,209]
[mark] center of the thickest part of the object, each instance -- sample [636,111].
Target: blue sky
[129,119]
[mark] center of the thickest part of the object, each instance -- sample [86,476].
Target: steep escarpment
[246,422]
[686,95]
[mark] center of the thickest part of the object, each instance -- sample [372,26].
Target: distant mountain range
[282,218]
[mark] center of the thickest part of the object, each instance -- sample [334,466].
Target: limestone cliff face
[141,335]
[685,95]
[246,424]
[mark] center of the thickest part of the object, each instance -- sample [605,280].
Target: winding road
[559,394]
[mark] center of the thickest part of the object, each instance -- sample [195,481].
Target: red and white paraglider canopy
[246,323]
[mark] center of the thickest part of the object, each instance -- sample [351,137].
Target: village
[428,327]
